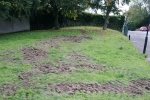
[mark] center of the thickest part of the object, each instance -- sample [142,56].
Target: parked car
[143,28]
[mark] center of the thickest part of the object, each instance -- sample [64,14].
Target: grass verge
[71,54]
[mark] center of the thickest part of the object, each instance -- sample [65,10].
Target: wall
[14,25]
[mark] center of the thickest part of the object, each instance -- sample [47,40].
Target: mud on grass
[136,87]
[8,89]
[32,55]
[69,65]
[70,62]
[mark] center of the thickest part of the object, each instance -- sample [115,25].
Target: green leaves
[140,18]
[4,9]
[69,8]
[108,6]
[16,8]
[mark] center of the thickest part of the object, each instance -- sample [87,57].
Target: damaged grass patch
[72,88]
[43,65]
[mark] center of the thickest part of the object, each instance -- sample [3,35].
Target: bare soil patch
[84,62]
[78,57]
[83,32]
[24,77]
[70,88]
[142,83]
[32,54]
[62,67]
[90,66]
[53,43]
[77,39]
[66,68]
[72,62]
[48,68]
[49,43]
[7,89]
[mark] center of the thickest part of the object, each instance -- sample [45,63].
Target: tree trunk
[107,17]
[56,18]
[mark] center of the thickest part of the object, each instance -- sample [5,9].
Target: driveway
[138,39]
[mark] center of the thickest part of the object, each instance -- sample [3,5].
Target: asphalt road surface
[138,39]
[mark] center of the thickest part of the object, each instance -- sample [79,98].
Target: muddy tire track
[136,87]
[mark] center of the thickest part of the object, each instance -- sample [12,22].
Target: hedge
[46,21]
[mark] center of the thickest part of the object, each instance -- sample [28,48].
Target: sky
[125,8]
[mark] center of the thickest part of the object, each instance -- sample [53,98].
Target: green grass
[77,96]
[110,49]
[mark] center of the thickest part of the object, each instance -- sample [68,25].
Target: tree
[4,9]
[68,8]
[16,8]
[108,6]
[147,5]
[139,18]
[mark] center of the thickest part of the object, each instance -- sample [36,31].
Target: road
[138,39]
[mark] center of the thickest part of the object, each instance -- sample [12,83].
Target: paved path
[138,39]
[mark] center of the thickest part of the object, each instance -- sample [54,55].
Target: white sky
[125,8]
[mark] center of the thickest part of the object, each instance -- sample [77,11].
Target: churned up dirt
[49,43]
[33,54]
[7,89]
[136,87]
[48,68]
[84,62]
[65,67]
[70,63]
[142,83]
[83,32]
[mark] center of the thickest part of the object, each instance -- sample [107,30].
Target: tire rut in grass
[83,32]
[32,56]
[115,87]
[53,42]
[62,67]
[71,63]
[49,44]
[9,56]
[55,39]
[136,87]
[82,61]
[8,89]
[142,83]
[48,68]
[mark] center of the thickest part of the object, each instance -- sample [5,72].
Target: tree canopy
[108,6]
[15,8]
[68,8]
[138,12]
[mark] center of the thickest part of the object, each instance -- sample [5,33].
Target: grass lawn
[74,63]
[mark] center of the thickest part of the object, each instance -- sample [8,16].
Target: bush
[46,21]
